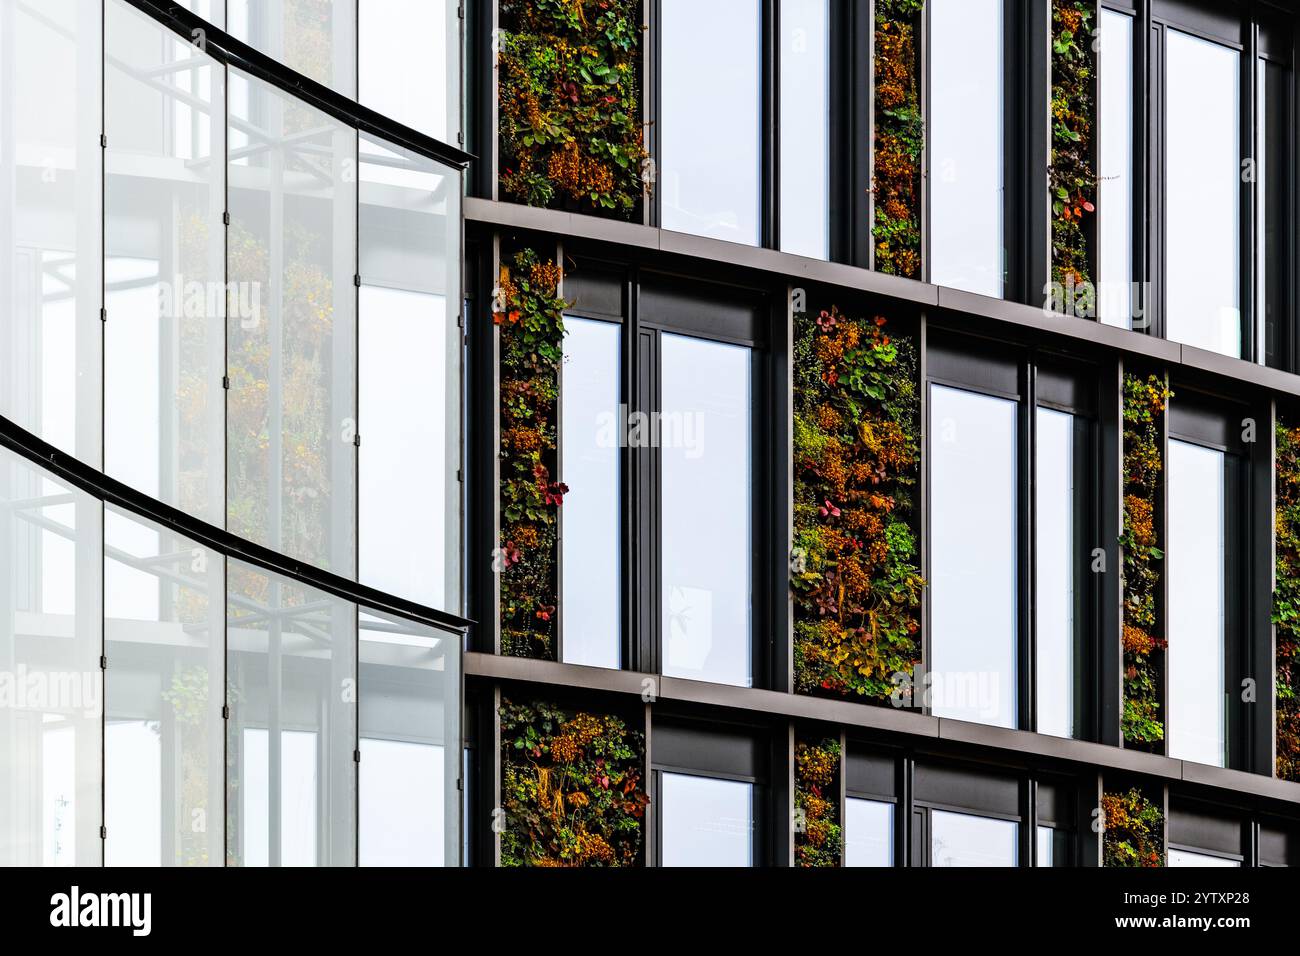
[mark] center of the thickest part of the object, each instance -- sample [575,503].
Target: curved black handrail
[220,45]
[75,472]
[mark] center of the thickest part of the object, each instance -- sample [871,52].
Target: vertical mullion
[652,107]
[1248,192]
[1027,716]
[1108,698]
[769,25]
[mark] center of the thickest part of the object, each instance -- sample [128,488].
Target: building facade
[632,432]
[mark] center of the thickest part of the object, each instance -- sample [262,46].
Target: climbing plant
[1286,601]
[1072,178]
[818,839]
[899,139]
[1145,401]
[568,75]
[530,315]
[1134,829]
[571,788]
[854,568]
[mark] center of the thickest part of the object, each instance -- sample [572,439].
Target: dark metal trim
[220,45]
[110,491]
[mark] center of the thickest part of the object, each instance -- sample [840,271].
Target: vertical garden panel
[899,140]
[1073,178]
[1286,601]
[855,570]
[1134,829]
[819,837]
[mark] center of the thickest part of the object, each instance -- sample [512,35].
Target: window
[164,247]
[1272,90]
[163,693]
[966,145]
[410,63]
[805,127]
[315,37]
[961,839]
[1043,850]
[706,821]
[50,170]
[51,628]
[1115,298]
[291,407]
[974,555]
[707,459]
[590,540]
[1191,858]
[868,832]
[291,650]
[1059,448]
[408,354]
[1202,194]
[1196,566]
[410,756]
[710,165]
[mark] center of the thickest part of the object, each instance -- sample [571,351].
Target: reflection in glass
[1055,557]
[1115,169]
[291,407]
[590,539]
[706,448]
[805,127]
[709,137]
[965,142]
[1190,858]
[1195,559]
[409,729]
[51,629]
[706,821]
[868,832]
[973,548]
[291,657]
[163,744]
[164,247]
[961,839]
[1202,194]
[50,245]
[409,370]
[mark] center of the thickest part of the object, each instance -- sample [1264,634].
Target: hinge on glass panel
[460,11]
[460,784]
[460,139]
[103,314]
[356,281]
[225,218]
[225,711]
[103,141]
[103,662]
[225,382]
[356,756]
[458,476]
[356,439]
[103,832]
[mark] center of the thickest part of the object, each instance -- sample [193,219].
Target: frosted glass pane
[868,833]
[1055,563]
[960,839]
[707,822]
[1115,191]
[805,128]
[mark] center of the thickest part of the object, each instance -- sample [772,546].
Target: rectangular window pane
[960,839]
[164,247]
[163,746]
[51,260]
[51,628]
[1115,203]
[1055,560]
[410,63]
[805,127]
[1045,837]
[590,538]
[706,446]
[317,38]
[868,833]
[1203,194]
[291,408]
[1190,858]
[709,139]
[1197,711]
[973,547]
[410,754]
[707,822]
[409,369]
[966,147]
[291,777]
